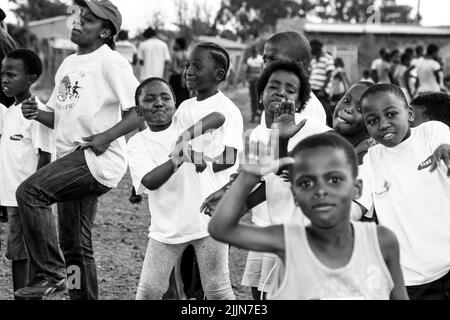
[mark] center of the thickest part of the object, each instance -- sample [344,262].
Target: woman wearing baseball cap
[93,88]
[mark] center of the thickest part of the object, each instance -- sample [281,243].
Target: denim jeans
[68,182]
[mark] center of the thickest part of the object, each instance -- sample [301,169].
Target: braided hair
[218,54]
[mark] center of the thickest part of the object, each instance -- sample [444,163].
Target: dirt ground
[120,238]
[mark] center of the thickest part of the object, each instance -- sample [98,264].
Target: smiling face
[323,185]
[157,105]
[282,85]
[88,29]
[202,73]
[347,117]
[16,81]
[387,118]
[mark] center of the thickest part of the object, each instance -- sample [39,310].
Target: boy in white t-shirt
[406,178]
[25,147]
[173,203]
[3,213]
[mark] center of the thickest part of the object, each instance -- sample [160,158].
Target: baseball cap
[104,9]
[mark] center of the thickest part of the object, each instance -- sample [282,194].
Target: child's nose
[384,124]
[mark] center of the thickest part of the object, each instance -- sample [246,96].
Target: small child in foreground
[25,147]
[332,258]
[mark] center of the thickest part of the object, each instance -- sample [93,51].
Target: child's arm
[31,111]
[391,254]
[225,226]
[210,122]
[44,159]
[154,179]
[99,143]
[441,153]
[226,160]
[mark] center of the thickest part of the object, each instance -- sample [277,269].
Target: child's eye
[335,180]
[371,121]
[358,108]
[391,114]
[346,100]
[304,184]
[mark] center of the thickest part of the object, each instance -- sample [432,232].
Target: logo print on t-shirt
[16,137]
[386,187]
[425,164]
[69,90]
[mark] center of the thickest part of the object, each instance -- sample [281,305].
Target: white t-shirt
[154,52]
[280,207]
[376,63]
[212,144]
[174,207]
[427,78]
[2,114]
[412,201]
[19,150]
[90,94]
[126,49]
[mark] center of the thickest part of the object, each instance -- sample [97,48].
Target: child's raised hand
[30,109]
[259,159]
[284,120]
[441,153]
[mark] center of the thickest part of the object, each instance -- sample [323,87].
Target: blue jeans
[68,182]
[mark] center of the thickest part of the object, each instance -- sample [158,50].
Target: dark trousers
[68,182]
[437,290]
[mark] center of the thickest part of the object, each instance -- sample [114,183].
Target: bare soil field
[120,238]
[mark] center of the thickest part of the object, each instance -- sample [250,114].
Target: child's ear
[220,74]
[357,192]
[411,114]
[32,78]
[139,111]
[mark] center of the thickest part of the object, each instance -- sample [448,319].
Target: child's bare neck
[356,138]
[336,235]
[208,93]
[158,128]
[22,97]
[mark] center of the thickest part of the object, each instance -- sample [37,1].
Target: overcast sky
[138,14]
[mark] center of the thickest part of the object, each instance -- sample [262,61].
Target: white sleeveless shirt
[304,277]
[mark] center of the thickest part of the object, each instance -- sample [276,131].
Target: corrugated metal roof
[374,28]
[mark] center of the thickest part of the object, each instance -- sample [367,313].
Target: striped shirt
[319,69]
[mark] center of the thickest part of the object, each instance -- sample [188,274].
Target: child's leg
[159,261]
[16,251]
[212,259]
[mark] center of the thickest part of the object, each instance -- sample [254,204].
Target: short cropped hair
[31,61]
[299,46]
[122,35]
[289,66]
[149,33]
[146,82]
[436,106]
[218,54]
[329,139]
[385,88]
[432,49]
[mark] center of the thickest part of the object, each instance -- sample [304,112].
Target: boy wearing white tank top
[332,258]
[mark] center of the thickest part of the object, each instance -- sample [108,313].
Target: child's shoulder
[387,240]
[430,126]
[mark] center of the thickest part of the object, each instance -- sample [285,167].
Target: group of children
[357,211]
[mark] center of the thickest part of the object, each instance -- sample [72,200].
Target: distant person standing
[384,69]
[7,44]
[153,55]
[176,80]
[126,48]
[376,63]
[322,67]
[339,83]
[429,72]
[255,64]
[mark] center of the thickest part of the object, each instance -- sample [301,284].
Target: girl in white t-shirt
[332,258]
[168,177]
[93,87]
